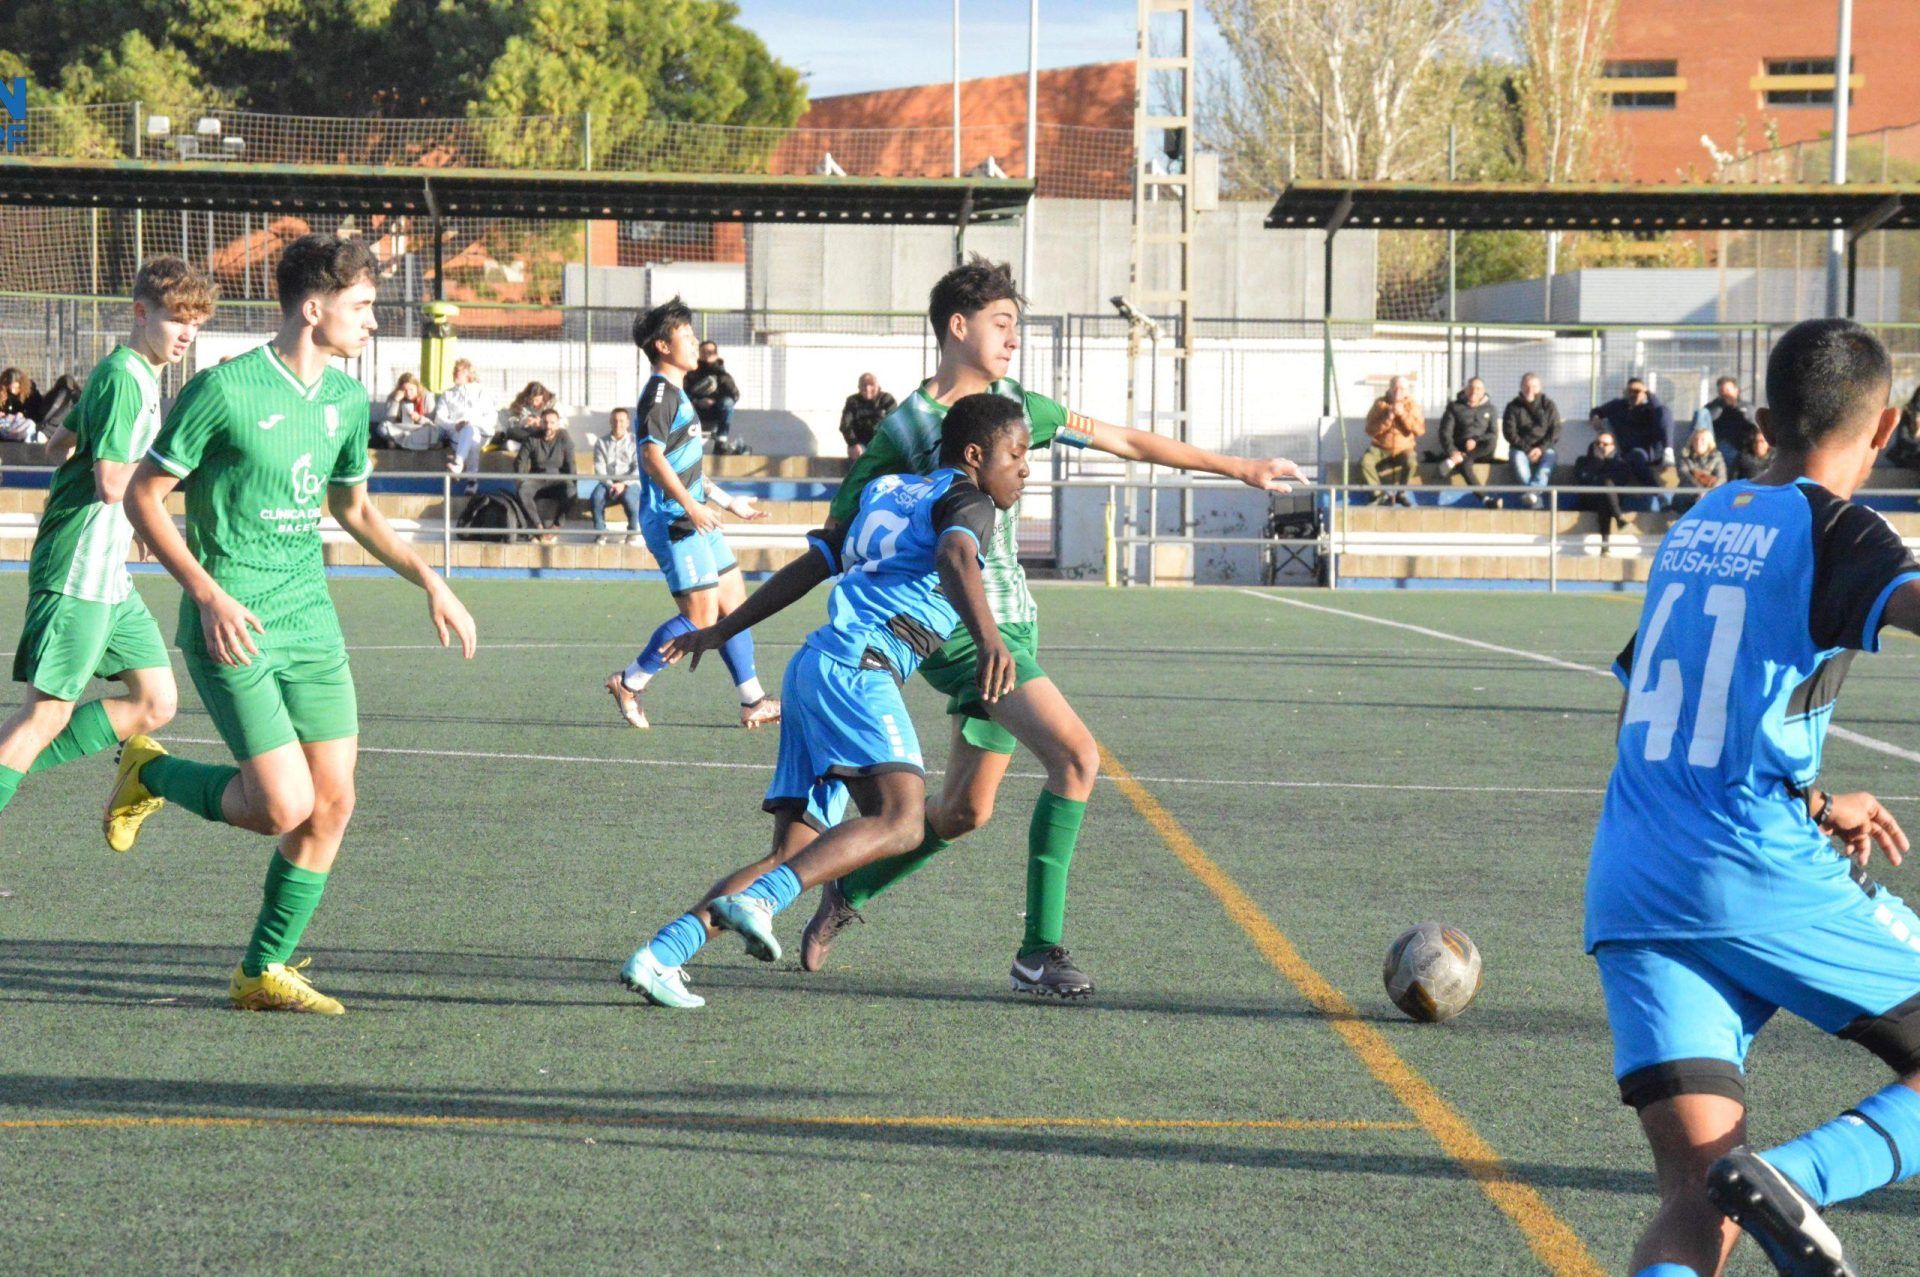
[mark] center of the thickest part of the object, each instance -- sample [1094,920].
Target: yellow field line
[1556,1245]
[703,1119]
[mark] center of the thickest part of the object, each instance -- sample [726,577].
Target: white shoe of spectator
[634,538]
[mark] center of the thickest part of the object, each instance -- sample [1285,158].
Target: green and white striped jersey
[257,449]
[908,442]
[81,548]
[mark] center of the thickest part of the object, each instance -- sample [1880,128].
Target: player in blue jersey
[909,575]
[1727,881]
[681,533]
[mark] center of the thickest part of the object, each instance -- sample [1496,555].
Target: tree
[1564,114]
[1338,88]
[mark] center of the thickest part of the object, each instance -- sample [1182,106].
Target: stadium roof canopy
[1593,206]
[516,193]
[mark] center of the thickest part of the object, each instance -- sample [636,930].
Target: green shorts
[300,694]
[68,642]
[954,670]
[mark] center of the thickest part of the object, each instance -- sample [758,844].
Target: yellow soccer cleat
[280,988]
[131,802]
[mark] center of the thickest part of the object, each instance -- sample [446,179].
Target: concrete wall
[1081,260]
[1678,295]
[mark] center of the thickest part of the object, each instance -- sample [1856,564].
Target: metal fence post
[446,524]
[1553,540]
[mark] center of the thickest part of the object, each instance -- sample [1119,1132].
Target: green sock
[1050,839]
[196,786]
[9,784]
[88,732]
[868,881]
[288,901]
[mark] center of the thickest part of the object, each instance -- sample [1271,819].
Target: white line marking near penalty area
[489,756]
[1861,739]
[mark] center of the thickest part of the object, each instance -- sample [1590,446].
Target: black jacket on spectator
[860,417]
[1732,427]
[1904,448]
[1748,466]
[709,383]
[1648,426]
[1592,471]
[1463,421]
[1531,425]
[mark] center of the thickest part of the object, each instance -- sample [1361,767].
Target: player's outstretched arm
[351,507]
[223,622]
[1270,474]
[780,591]
[741,507]
[959,561]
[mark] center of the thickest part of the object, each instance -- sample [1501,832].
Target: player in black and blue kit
[909,575]
[1716,894]
[683,537]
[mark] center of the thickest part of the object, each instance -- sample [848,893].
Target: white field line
[1861,739]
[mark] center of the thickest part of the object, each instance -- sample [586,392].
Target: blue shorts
[837,721]
[690,563]
[1684,1012]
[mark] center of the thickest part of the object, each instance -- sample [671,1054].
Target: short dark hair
[968,289]
[978,419]
[323,265]
[659,324]
[1636,380]
[1823,376]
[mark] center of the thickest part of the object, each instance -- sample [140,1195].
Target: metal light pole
[1842,90]
[1033,168]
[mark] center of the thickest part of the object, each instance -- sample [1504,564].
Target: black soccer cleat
[1782,1220]
[832,917]
[1050,974]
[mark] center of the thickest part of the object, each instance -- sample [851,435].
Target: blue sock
[737,652]
[1874,1144]
[1667,1270]
[781,886]
[679,940]
[649,662]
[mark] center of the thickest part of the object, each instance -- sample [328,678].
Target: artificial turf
[493,1101]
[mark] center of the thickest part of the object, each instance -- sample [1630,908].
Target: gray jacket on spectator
[616,458]
[1531,425]
[1463,421]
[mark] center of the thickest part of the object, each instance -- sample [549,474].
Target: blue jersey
[888,607]
[1758,600]
[668,421]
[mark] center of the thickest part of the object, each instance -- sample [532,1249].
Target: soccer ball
[1432,972]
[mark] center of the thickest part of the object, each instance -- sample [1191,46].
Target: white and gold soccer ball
[1433,972]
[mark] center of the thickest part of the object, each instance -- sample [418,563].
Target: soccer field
[1291,779]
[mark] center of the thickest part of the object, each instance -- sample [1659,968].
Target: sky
[851,46]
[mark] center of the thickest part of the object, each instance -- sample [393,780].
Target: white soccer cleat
[1782,1220]
[660,985]
[752,918]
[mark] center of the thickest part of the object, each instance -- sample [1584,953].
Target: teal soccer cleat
[662,986]
[752,917]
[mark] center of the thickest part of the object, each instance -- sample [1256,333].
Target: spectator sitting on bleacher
[27,413]
[1531,424]
[617,462]
[1643,426]
[408,421]
[1903,449]
[1466,433]
[1701,465]
[1755,459]
[520,416]
[465,413]
[1603,467]
[714,393]
[862,414]
[545,448]
[1395,425]
[1727,417]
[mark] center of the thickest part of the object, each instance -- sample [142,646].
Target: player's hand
[996,671]
[743,508]
[450,618]
[141,552]
[1270,474]
[693,644]
[702,519]
[1859,821]
[224,624]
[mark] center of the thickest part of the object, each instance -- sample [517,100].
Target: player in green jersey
[975,312]
[84,620]
[256,442]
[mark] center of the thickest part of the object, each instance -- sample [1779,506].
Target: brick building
[1732,70]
